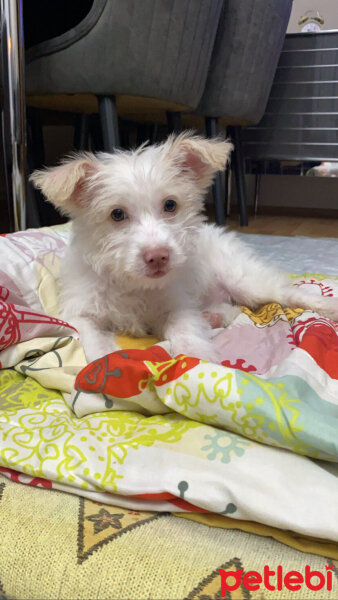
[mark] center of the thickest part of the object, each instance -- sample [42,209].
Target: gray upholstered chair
[249,40]
[150,57]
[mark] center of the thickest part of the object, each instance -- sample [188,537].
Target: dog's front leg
[95,341]
[189,333]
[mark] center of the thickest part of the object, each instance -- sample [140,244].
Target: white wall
[296,191]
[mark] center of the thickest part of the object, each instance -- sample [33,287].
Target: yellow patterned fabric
[299,542]
[270,313]
[44,409]
[58,546]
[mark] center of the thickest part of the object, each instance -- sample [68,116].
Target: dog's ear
[65,185]
[199,157]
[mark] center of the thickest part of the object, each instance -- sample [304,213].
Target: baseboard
[291,211]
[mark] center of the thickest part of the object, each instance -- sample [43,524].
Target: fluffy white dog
[142,260]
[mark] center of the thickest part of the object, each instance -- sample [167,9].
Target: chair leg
[81,132]
[95,133]
[35,138]
[125,128]
[212,130]
[153,132]
[227,190]
[35,160]
[33,218]
[140,134]
[146,132]
[174,120]
[239,169]
[109,123]
[257,191]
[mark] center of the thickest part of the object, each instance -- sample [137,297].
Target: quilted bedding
[254,438]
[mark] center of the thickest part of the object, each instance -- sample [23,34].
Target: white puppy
[142,260]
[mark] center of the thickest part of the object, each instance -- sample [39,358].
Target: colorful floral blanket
[254,438]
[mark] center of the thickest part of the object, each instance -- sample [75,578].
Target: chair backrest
[249,40]
[153,48]
[301,118]
[44,21]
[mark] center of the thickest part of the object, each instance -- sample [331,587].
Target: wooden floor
[283,225]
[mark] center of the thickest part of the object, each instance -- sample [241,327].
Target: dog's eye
[170,205]
[118,214]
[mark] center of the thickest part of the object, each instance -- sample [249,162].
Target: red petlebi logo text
[277,579]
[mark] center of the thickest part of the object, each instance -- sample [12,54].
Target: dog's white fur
[107,285]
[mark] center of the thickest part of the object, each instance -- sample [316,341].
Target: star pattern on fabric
[104,519]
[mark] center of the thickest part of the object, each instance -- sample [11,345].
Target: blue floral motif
[223,446]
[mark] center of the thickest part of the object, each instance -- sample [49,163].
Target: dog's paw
[221,315]
[103,343]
